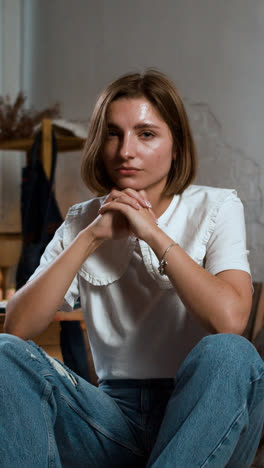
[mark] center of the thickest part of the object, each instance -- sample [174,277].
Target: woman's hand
[109,226]
[123,213]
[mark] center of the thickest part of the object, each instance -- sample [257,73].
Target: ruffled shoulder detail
[190,221]
[209,202]
[109,262]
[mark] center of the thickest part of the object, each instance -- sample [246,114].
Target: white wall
[214,52]
[11,45]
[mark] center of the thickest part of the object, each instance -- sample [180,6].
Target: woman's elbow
[10,328]
[235,322]
[12,324]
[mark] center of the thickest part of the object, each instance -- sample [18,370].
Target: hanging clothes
[41,217]
[40,214]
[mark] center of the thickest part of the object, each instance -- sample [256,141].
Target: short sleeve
[53,249]
[226,248]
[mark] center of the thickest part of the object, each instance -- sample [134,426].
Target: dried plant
[17,122]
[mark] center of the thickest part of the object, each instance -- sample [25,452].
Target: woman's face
[139,147]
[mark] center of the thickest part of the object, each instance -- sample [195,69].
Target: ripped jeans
[210,415]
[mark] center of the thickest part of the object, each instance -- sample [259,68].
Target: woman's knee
[228,344]
[20,364]
[7,340]
[231,351]
[10,346]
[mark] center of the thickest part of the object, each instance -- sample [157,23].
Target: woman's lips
[127,171]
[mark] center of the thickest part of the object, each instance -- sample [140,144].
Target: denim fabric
[210,415]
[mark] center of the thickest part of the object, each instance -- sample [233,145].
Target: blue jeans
[210,415]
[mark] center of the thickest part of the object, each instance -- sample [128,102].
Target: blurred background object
[17,121]
[10,249]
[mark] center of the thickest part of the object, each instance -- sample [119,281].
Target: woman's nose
[127,146]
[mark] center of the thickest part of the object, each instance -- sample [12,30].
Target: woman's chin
[122,185]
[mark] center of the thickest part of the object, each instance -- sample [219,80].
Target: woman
[160,265]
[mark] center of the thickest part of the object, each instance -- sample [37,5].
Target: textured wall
[224,165]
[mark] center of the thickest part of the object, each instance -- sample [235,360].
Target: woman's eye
[112,133]
[147,135]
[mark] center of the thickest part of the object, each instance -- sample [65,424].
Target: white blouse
[137,325]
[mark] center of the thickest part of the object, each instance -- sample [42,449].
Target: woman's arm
[221,302]
[32,307]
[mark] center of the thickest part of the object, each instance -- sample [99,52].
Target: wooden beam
[46,144]
[64,144]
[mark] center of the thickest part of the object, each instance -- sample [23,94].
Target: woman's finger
[141,196]
[113,195]
[114,204]
[142,200]
[129,197]
[125,199]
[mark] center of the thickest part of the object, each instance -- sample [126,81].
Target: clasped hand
[125,212]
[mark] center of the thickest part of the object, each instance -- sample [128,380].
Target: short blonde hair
[159,90]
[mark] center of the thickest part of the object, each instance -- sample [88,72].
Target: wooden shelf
[11,236]
[64,144]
